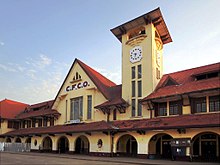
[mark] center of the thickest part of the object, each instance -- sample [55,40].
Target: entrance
[63,145]
[17,140]
[8,140]
[28,140]
[127,146]
[205,146]
[47,144]
[160,147]
[82,145]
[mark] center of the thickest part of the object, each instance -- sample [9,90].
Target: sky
[39,40]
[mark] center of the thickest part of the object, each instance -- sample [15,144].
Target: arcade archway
[18,140]
[159,145]
[47,144]
[28,140]
[63,145]
[127,146]
[8,140]
[206,146]
[82,145]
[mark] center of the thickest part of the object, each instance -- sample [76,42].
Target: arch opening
[47,144]
[28,140]
[63,145]
[18,140]
[127,146]
[205,146]
[160,146]
[82,145]
[8,140]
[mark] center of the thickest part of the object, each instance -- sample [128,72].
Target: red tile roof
[82,127]
[175,122]
[39,109]
[102,83]
[182,121]
[42,112]
[42,104]
[116,97]
[186,82]
[9,108]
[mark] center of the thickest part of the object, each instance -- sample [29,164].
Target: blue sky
[39,40]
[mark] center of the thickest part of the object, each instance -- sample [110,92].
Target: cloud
[39,63]
[2,43]
[7,68]
[114,76]
[45,60]
[31,73]
[209,38]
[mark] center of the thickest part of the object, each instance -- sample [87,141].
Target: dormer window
[207,75]
[35,109]
[169,81]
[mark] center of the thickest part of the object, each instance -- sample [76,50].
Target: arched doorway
[159,146]
[18,140]
[47,144]
[206,146]
[82,145]
[63,145]
[8,140]
[127,146]
[28,140]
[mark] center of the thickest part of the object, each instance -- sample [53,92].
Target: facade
[150,115]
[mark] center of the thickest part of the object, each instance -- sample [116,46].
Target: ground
[57,159]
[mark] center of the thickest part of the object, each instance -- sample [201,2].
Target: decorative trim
[136,40]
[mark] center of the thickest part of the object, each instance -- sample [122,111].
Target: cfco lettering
[77,86]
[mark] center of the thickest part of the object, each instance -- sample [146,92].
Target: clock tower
[142,41]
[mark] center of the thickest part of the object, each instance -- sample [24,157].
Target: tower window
[139,71]
[133,108]
[157,73]
[133,72]
[139,88]
[137,32]
[133,88]
[139,108]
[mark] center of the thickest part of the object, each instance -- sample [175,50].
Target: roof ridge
[13,101]
[208,65]
[96,72]
[102,83]
[42,102]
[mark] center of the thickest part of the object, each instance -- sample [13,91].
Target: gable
[169,81]
[81,77]
[75,83]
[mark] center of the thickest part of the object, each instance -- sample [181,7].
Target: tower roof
[154,16]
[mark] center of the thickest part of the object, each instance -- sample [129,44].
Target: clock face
[135,54]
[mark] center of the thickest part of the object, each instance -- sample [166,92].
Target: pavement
[9,158]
